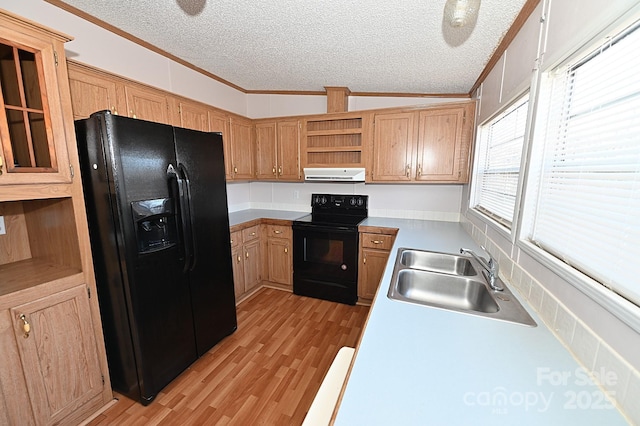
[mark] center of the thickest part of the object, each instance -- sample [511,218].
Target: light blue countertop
[417,365]
[243,216]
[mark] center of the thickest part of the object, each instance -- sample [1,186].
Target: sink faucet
[491,267]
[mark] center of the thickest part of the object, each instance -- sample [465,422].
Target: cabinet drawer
[251,233]
[377,241]
[279,231]
[236,238]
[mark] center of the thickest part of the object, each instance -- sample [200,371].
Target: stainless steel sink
[445,290]
[437,262]
[454,283]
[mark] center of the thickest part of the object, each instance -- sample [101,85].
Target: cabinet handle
[246,254]
[1,164]
[235,169]
[408,170]
[279,170]
[132,114]
[26,327]
[286,249]
[364,259]
[274,170]
[376,241]
[231,241]
[239,259]
[275,231]
[253,234]
[419,170]
[114,111]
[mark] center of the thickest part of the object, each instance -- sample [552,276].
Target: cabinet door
[289,150]
[34,105]
[91,93]
[266,163]
[393,147]
[252,265]
[238,271]
[193,116]
[241,148]
[58,351]
[280,260]
[146,104]
[440,145]
[372,267]
[219,122]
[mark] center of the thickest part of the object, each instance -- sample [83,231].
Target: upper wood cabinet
[429,145]
[92,92]
[278,150]
[241,148]
[33,131]
[190,115]
[147,104]
[394,146]
[219,122]
[288,150]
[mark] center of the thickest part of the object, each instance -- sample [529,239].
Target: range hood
[334,174]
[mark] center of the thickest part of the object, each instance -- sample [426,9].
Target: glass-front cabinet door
[32,115]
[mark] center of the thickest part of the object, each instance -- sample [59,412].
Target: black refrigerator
[156,202]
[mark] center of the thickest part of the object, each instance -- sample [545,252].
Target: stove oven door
[325,262]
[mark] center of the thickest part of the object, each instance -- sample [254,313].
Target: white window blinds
[498,163]
[587,211]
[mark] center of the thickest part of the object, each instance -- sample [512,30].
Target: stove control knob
[360,202]
[352,201]
[323,200]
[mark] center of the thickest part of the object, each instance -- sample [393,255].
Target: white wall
[595,336]
[421,201]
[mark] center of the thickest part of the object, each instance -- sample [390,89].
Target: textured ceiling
[399,46]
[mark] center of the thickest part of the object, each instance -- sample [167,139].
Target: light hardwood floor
[266,373]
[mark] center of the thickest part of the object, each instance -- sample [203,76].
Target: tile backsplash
[591,352]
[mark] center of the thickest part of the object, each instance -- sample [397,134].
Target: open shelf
[334,142]
[40,244]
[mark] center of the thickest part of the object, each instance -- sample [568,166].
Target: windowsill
[494,225]
[618,306]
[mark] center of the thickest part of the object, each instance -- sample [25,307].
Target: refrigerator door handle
[190,223]
[184,229]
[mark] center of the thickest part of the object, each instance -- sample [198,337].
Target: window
[586,198]
[497,165]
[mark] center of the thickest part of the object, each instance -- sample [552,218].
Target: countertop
[417,365]
[243,216]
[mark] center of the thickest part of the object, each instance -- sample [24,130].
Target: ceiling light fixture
[459,13]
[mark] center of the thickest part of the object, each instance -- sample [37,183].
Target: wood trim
[140,42]
[413,95]
[337,98]
[32,25]
[517,25]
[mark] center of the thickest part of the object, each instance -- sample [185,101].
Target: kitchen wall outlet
[3,230]
[296,195]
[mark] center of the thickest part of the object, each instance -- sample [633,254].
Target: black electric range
[325,247]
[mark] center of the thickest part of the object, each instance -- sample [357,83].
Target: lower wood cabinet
[50,371]
[375,246]
[245,252]
[278,255]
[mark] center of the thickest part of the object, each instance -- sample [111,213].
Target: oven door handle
[323,228]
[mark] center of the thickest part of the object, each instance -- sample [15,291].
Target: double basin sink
[455,283]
